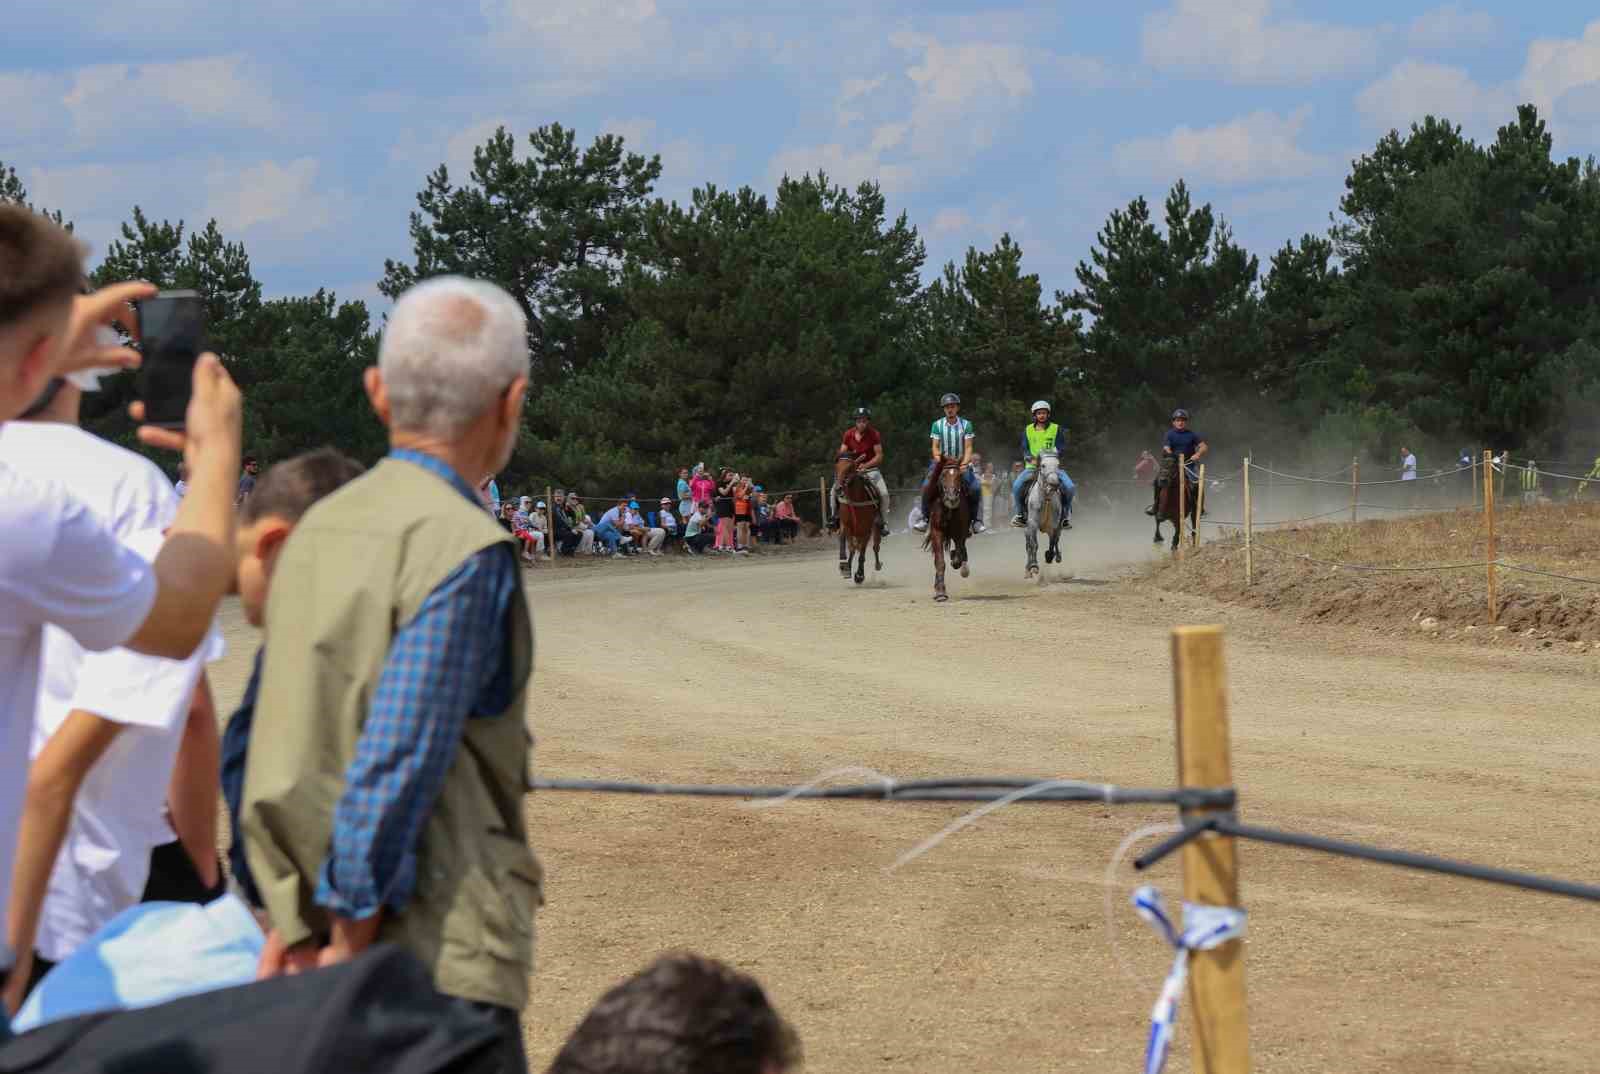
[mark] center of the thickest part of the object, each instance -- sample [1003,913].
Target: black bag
[377,1012]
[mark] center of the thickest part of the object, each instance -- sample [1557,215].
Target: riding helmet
[863,412]
[950,397]
[1179,413]
[1039,405]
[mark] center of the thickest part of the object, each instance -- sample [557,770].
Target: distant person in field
[1408,475]
[684,1014]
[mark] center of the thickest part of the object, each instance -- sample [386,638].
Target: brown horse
[1167,500]
[858,520]
[949,517]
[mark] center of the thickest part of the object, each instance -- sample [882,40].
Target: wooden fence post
[549,523]
[1221,1028]
[1355,485]
[1199,507]
[1488,519]
[1183,501]
[1249,526]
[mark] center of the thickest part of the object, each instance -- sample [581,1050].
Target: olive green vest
[359,565]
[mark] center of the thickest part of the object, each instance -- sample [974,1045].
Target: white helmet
[1038,406]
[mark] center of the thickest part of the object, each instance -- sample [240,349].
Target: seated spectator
[666,521]
[609,530]
[646,537]
[784,514]
[697,535]
[563,537]
[527,526]
[684,1014]
[504,515]
[581,524]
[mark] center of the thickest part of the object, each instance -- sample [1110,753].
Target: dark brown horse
[858,520]
[1167,500]
[949,516]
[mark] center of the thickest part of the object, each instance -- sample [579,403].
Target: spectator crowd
[724,515]
[379,890]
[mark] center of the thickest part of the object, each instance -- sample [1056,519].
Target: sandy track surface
[991,952]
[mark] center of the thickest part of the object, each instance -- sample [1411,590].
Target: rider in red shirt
[863,443]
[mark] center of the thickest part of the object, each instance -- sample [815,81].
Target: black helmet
[950,397]
[1180,413]
[863,412]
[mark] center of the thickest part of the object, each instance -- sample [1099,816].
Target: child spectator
[743,500]
[724,504]
[701,487]
[683,491]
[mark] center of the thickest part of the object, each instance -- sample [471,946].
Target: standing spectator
[383,794]
[1408,476]
[697,529]
[788,520]
[110,726]
[668,524]
[608,531]
[988,482]
[743,500]
[684,492]
[59,563]
[247,480]
[582,525]
[1530,483]
[1144,468]
[724,504]
[701,487]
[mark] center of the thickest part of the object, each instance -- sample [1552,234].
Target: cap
[633,503]
[539,504]
[666,500]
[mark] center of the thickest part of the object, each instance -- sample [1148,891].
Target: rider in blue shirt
[1040,437]
[1181,440]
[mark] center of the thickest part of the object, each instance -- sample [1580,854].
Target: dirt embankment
[1312,574]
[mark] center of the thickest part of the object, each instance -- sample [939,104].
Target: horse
[1167,502]
[1044,512]
[949,516]
[858,520]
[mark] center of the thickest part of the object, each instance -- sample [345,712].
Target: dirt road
[991,952]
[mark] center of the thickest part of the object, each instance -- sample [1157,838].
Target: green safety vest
[1041,440]
[1530,479]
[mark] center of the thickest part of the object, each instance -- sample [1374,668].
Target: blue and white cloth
[1205,927]
[150,954]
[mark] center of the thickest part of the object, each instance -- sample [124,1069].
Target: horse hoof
[963,570]
[844,566]
[860,577]
[1156,541]
[940,598]
[1032,572]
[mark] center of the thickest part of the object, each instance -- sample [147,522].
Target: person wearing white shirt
[59,564]
[1408,473]
[116,717]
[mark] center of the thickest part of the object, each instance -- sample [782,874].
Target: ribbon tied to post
[1205,927]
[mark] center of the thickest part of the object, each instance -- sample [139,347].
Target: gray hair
[450,348]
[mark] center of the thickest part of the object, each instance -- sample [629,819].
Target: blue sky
[306,126]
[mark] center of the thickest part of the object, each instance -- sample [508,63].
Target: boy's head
[41,270]
[283,494]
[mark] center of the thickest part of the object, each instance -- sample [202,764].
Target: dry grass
[1310,573]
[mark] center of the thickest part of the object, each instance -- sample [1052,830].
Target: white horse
[1044,511]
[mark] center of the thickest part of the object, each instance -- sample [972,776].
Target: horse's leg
[1031,543]
[860,557]
[877,540]
[936,532]
[844,554]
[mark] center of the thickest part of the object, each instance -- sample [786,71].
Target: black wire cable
[973,789]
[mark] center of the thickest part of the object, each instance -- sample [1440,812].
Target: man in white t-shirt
[108,725]
[58,562]
[1408,473]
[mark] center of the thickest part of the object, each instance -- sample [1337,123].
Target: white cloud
[286,196]
[1236,40]
[1090,72]
[586,34]
[1451,26]
[1417,88]
[1561,76]
[943,108]
[1259,147]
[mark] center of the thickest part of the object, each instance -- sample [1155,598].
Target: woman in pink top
[701,486]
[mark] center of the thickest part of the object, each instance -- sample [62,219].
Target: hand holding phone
[172,335]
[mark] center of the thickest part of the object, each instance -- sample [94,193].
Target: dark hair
[684,1014]
[40,263]
[289,488]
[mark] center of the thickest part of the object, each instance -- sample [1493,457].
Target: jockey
[951,438]
[1181,440]
[1042,437]
[863,443]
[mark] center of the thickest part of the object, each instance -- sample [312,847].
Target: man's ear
[270,537]
[377,393]
[516,396]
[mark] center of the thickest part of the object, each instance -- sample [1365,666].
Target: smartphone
[172,329]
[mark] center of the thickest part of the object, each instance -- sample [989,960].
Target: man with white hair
[389,755]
